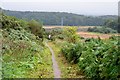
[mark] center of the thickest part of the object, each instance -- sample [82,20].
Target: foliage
[68,70]
[55,33]
[17,24]
[103,29]
[65,33]
[72,52]
[18,34]
[36,28]
[70,34]
[11,22]
[22,53]
[112,23]
[98,59]
[54,18]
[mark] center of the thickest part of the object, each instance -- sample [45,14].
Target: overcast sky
[86,7]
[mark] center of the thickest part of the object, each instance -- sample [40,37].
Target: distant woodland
[68,19]
[56,18]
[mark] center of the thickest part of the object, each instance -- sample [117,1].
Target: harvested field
[95,35]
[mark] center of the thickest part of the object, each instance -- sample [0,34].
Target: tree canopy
[54,18]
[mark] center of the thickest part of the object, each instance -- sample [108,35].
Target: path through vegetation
[56,70]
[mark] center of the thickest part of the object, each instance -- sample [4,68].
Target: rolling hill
[54,18]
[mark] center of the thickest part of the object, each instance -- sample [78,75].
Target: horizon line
[61,12]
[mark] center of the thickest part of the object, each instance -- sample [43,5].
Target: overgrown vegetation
[97,59]
[55,33]
[23,53]
[36,28]
[68,70]
[66,33]
[26,56]
[70,34]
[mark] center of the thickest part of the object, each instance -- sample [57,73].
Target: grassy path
[67,69]
[56,70]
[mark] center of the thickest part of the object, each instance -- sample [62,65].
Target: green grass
[43,69]
[37,68]
[24,55]
[19,62]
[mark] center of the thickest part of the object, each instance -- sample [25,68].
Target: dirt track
[56,70]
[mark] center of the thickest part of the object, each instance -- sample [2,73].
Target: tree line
[54,18]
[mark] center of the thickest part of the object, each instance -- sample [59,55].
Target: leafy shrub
[21,51]
[18,35]
[36,28]
[70,34]
[60,36]
[15,53]
[12,22]
[72,52]
[100,60]
[97,58]
[17,24]
[20,56]
[55,33]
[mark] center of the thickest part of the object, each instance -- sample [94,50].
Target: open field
[95,35]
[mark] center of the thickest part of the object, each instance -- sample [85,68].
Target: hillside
[54,18]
